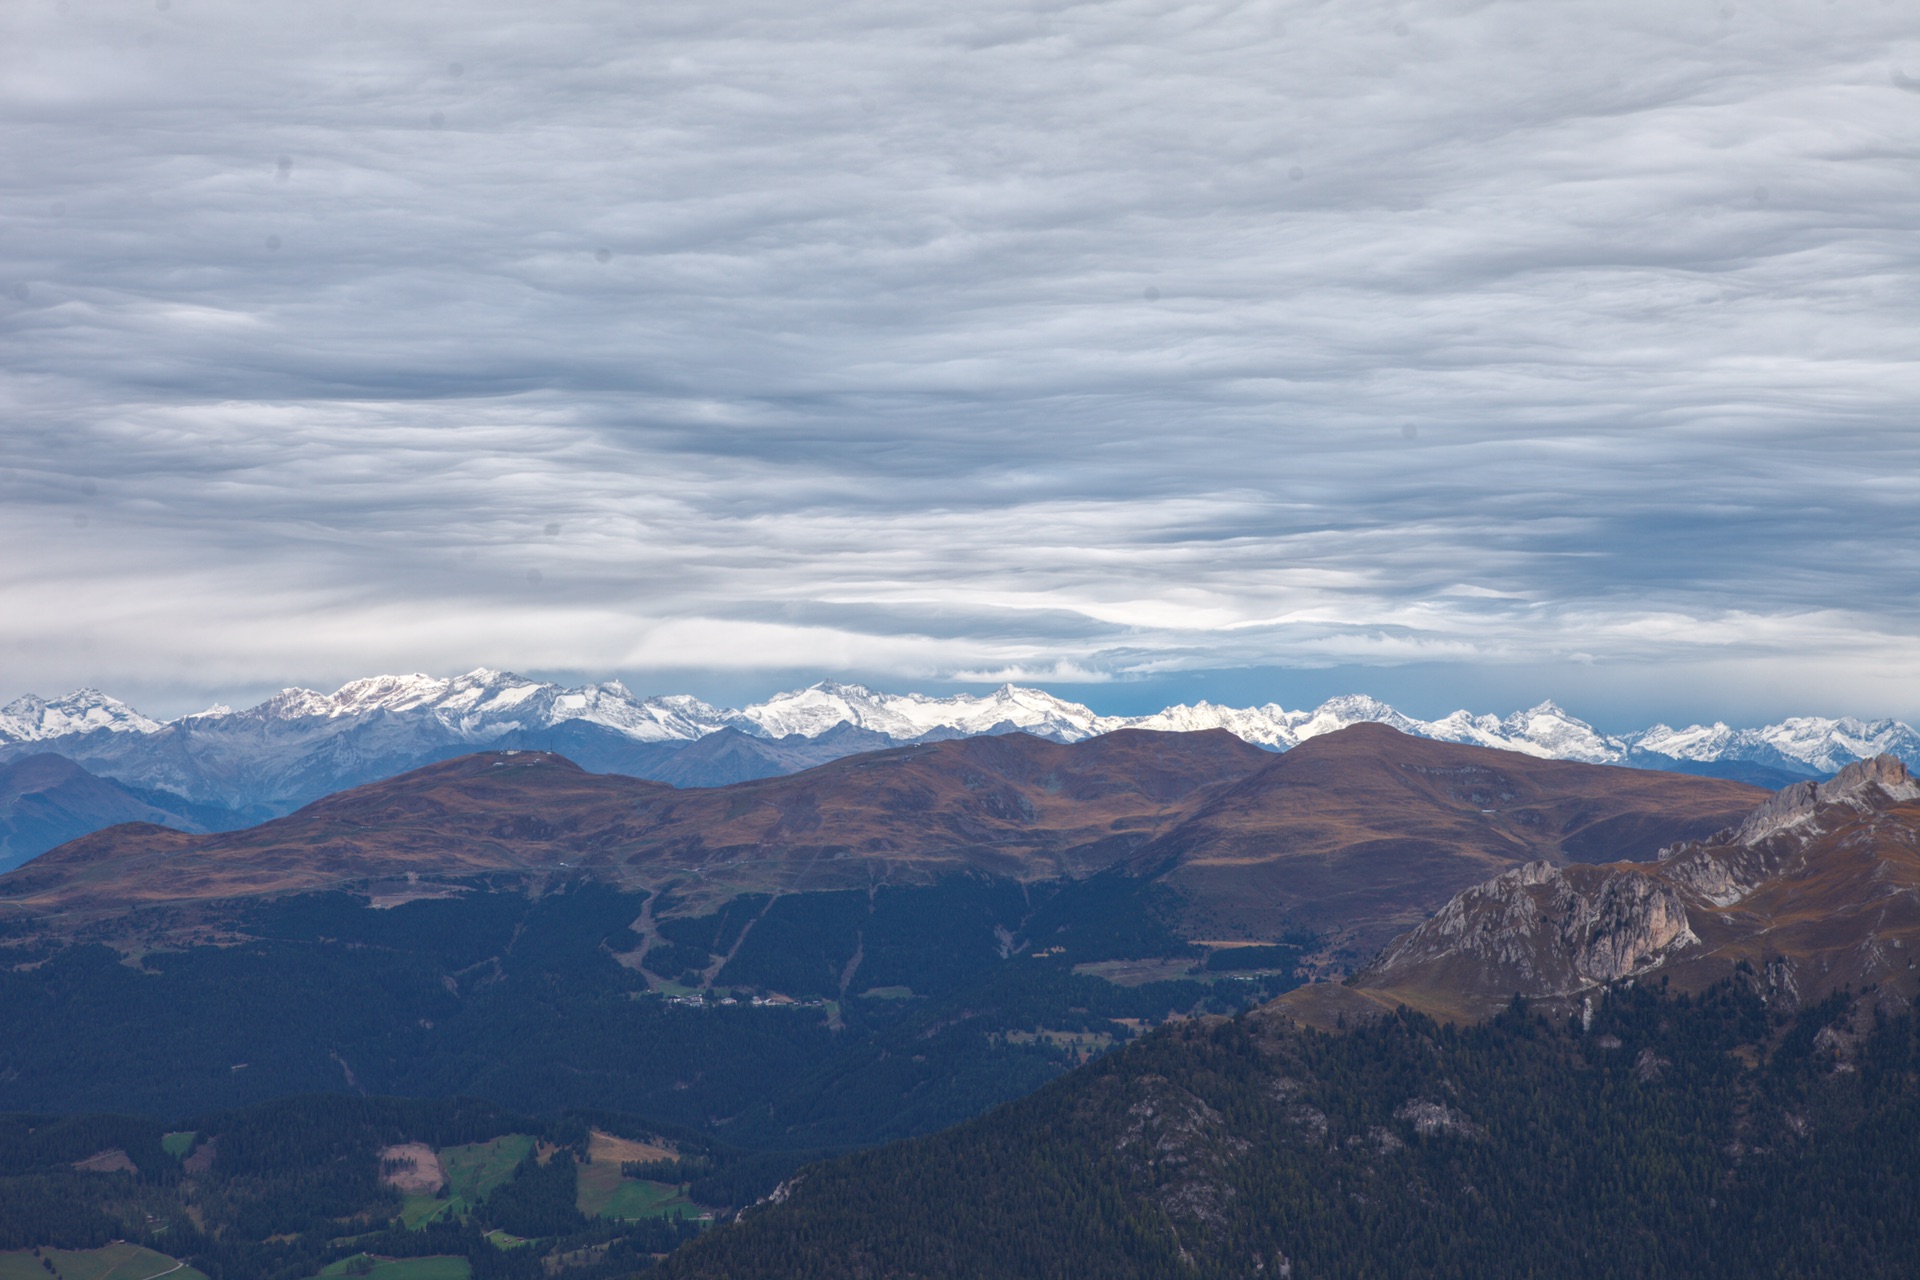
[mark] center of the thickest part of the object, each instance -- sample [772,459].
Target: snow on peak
[1338,713]
[485,704]
[1550,732]
[1696,742]
[35,719]
[816,709]
[1269,726]
[1813,743]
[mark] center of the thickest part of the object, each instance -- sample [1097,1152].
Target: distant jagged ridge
[300,743]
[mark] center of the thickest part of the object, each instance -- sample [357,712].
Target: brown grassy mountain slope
[1013,805]
[1816,890]
[1367,830]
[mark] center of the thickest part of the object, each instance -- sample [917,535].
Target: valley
[663,1005]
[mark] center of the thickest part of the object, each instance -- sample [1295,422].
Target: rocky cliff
[1816,889]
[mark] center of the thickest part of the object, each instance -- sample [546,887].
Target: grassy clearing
[1087,1040]
[417,1211]
[178,1144]
[1135,973]
[887,993]
[474,1171]
[114,1262]
[604,1193]
[436,1268]
[636,1199]
[599,1182]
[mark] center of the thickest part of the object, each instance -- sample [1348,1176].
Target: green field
[417,1211]
[887,993]
[636,1199]
[437,1268]
[178,1144]
[604,1193]
[474,1171]
[114,1262]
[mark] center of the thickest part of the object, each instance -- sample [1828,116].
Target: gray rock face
[1554,931]
[1435,1119]
[1862,786]
[1182,1146]
[1544,930]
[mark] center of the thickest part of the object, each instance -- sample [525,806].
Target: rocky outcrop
[1727,869]
[1822,870]
[1544,929]
[1437,1119]
[1181,1146]
[1861,787]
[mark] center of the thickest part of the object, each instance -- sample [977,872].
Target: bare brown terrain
[1014,805]
[607,1148]
[1815,891]
[1356,835]
[113,1160]
[1365,831]
[412,1169]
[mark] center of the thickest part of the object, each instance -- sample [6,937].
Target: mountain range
[1717,1065]
[300,744]
[1353,836]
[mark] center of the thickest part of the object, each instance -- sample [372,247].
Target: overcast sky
[1465,353]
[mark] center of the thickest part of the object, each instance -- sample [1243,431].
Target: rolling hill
[1014,806]
[1358,832]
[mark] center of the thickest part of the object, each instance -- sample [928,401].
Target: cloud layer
[1059,342]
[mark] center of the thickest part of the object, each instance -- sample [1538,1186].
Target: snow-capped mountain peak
[484,704]
[1550,731]
[35,719]
[1811,744]
[817,708]
[301,742]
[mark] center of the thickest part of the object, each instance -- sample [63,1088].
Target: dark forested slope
[1686,1136]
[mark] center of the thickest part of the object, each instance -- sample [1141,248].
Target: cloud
[922,343]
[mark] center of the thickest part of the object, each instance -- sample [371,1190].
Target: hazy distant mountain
[302,744]
[47,800]
[730,756]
